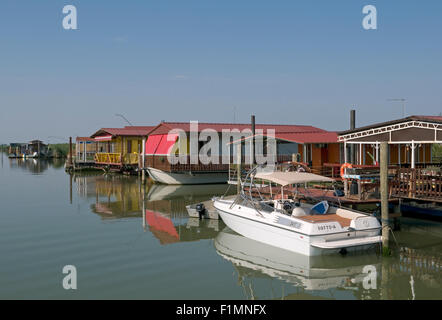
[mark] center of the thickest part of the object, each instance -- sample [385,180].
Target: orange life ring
[343,167]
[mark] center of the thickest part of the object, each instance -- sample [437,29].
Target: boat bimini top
[287,178]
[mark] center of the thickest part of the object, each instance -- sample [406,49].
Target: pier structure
[409,141]
[413,174]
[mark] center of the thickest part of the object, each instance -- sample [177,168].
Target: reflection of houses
[32,165]
[163,212]
[164,229]
[116,196]
[166,215]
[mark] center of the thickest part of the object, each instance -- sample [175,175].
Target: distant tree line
[60,150]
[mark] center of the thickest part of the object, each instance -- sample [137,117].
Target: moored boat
[287,221]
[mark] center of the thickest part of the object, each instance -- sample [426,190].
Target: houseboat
[32,149]
[119,149]
[315,146]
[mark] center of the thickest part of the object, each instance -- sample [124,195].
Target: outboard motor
[201,210]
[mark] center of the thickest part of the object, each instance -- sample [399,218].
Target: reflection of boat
[189,196]
[294,225]
[165,192]
[202,210]
[310,273]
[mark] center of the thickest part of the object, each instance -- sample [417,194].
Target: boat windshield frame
[257,203]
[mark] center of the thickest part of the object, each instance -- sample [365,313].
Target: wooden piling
[143,160]
[70,188]
[70,152]
[384,198]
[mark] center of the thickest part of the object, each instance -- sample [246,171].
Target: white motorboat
[286,222]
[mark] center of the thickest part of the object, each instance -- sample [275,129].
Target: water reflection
[266,272]
[162,209]
[167,204]
[413,272]
[35,166]
[253,260]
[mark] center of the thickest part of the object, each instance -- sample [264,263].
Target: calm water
[127,248]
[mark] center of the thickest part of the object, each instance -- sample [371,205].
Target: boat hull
[187,178]
[289,239]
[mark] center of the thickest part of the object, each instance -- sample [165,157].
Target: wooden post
[238,167]
[143,158]
[352,127]
[122,150]
[412,154]
[70,188]
[384,198]
[70,152]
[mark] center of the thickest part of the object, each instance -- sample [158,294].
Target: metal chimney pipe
[352,127]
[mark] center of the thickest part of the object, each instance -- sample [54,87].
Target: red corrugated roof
[126,131]
[84,139]
[165,127]
[302,137]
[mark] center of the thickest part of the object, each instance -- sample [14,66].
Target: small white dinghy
[297,226]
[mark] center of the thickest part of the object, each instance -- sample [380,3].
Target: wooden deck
[344,222]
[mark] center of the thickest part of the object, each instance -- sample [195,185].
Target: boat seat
[319,208]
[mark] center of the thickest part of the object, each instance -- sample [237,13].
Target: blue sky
[299,62]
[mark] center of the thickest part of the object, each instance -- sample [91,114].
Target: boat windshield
[261,205]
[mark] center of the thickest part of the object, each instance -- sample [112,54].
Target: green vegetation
[4,148]
[437,152]
[59,150]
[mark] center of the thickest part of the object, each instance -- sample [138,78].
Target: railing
[107,158]
[417,183]
[162,163]
[90,156]
[130,158]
